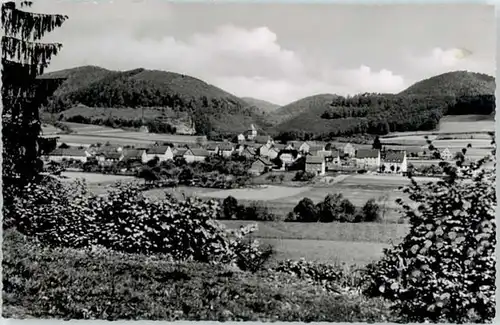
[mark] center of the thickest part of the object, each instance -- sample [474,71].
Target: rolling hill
[211,108]
[263,106]
[420,107]
[456,83]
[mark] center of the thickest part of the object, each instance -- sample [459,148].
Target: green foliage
[371,211]
[303,176]
[444,270]
[230,207]
[304,211]
[42,282]
[67,215]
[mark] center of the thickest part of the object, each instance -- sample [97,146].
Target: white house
[251,133]
[162,152]
[263,150]
[394,162]
[273,152]
[61,154]
[368,158]
[446,154]
[192,155]
[240,137]
[349,150]
[134,154]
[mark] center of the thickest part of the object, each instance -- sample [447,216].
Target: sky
[278,52]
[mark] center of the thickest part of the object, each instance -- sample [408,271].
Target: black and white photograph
[248,161]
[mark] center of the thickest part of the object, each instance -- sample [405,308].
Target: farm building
[367,158]
[315,164]
[61,154]
[332,156]
[109,158]
[162,152]
[263,139]
[248,152]
[260,166]
[251,133]
[446,154]
[134,155]
[349,150]
[226,149]
[394,162]
[192,155]
[213,149]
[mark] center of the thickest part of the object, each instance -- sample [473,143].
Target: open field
[95,178]
[357,244]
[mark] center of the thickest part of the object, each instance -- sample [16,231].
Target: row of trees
[154,126]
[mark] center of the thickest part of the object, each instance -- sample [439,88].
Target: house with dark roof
[134,155]
[316,165]
[162,152]
[263,139]
[260,166]
[394,162]
[109,158]
[248,152]
[368,158]
[64,154]
[192,155]
[226,149]
[212,148]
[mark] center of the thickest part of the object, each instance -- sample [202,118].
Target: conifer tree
[24,59]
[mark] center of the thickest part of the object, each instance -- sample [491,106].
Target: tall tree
[376,143]
[24,59]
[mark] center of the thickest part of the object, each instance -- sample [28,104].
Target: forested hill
[211,108]
[420,107]
[457,83]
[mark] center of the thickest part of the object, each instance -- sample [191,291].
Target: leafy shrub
[257,211]
[303,176]
[230,207]
[371,211]
[444,270]
[304,211]
[66,215]
[42,282]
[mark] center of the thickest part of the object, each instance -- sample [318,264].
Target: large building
[368,158]
[394,162]
[316,165]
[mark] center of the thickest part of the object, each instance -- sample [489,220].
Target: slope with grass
[262,106]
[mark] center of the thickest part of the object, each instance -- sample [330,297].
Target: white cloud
[440,60]
[246,62]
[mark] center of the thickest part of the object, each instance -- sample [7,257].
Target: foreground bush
[45,282]
[67,215]
[444,270]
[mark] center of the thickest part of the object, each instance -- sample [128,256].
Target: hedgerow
[444,269]
[124,220]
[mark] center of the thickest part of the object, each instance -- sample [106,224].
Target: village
[314,157]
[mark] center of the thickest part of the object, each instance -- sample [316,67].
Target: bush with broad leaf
[444,269]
